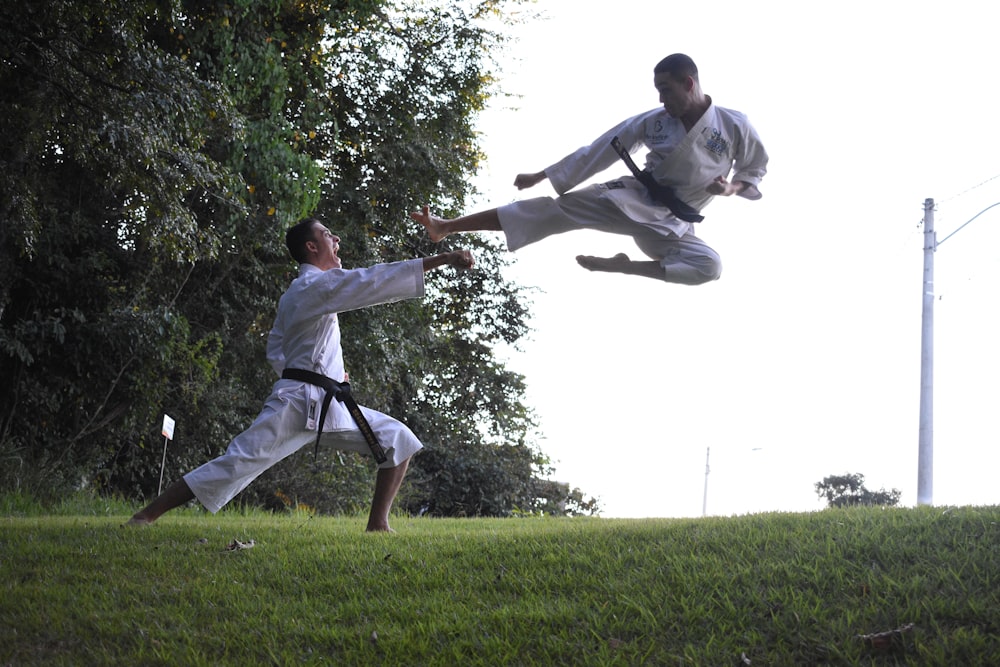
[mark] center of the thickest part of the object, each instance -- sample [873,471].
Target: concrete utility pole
[925,452]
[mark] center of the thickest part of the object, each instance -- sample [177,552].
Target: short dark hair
[677,65]
[297,236]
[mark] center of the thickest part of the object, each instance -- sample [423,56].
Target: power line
[968,190]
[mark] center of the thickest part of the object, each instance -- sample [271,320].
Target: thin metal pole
[704,500]
[925,452]
[163,464]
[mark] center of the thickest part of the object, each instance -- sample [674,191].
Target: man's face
[674,95]
[328,245]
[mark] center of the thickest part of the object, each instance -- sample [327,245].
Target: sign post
[168,435]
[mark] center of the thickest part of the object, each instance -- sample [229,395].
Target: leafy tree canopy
[152,152]
[849,489]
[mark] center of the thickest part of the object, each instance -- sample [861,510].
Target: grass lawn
[840,587]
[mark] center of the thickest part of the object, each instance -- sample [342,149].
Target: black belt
[342,392]
[663,194]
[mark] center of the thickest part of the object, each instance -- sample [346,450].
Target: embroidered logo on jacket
[717,143]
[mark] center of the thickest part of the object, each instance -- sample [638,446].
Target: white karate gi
[306,335]
[721,143]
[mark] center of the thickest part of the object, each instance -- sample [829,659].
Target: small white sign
[168,427]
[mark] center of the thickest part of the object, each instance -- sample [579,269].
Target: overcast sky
[803,360]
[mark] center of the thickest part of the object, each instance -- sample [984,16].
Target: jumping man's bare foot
[615,264]
[433,224]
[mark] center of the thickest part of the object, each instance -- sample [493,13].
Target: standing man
[305,344]
[696,151]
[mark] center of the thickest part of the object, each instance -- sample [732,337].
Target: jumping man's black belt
[342,392]
[664,194]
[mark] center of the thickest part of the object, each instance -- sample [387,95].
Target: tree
[849,489]
[152,154]
[101,152]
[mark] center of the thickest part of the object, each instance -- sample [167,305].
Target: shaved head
[678,66]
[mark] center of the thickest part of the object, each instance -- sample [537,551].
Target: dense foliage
[849,489]
[152,152]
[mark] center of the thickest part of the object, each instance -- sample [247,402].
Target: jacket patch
[717,142]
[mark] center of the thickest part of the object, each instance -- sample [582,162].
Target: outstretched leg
[387,482]
[176,495]
[438,228]
[621,263]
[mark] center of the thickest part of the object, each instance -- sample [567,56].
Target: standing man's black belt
[663,194]
[342,392]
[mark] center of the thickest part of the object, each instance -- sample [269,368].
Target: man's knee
[693,271]
[689,277]
[709,271]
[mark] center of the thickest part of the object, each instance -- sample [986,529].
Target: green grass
[779,589]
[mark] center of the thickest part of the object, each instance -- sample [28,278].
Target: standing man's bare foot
[173,496]
[379,529]
[136,521]
[615,264]
[433,224]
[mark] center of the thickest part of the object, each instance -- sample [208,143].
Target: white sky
[808,348]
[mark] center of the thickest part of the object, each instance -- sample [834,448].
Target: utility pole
[704,500]
[925,451]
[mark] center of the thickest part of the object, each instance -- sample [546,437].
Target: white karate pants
[685,259]
[279,432]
